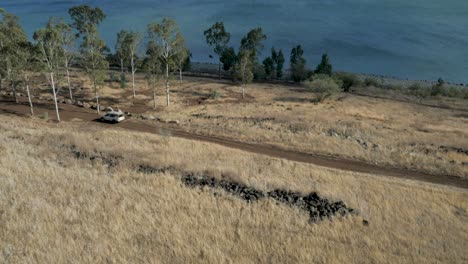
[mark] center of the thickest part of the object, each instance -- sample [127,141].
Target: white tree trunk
[180,75]
[243,91]
[154,96]
[97,97]
[55,95]
[12,83]
[29,98]
[69,84]
[167,85]
[133,76]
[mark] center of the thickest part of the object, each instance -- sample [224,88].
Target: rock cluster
[317,207]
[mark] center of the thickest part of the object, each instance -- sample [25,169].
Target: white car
[113,117]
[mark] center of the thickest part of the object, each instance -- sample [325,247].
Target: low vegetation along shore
[70,194]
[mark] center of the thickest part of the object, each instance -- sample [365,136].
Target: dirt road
[69,112]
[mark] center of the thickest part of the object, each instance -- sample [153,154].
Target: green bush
[113,77]
[323,87]
[372,82]
[417,90]
[349,80]
[123,81]
[215,94]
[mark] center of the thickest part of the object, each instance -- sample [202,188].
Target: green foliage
[349,80]
[438,88]
[279,61]
[273,66]
[120,48]
[324,66]
[167,36]
[217,37]
[252,43]
[86,18]
[215,94]
[12,36]
[270,69]
[372,82]
[323,87]
[298,64]
[228,58]
[92,49]
[181,57]
[187,66]
[49,42]
[152,64]
[259,72]
[123,81]
[243,70]
[112,77]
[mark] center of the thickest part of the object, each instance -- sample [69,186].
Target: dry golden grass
[55,208]
[395,133]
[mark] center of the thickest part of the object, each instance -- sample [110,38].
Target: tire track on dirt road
[69,112]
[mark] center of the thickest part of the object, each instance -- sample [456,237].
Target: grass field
[387,132]
[71,193]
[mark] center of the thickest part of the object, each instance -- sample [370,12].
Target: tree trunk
[29,97]
[121,66]
[154,97]
[14,90]
[180,75]
[97,96]
[133,77]
[55,95]
[69,84]
[243,91]
[219,70]
[167,85]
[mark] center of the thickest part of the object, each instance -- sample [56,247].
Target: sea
[407,39]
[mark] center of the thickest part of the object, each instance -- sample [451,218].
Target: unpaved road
[69,112]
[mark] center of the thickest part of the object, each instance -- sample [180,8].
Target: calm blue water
[417,39]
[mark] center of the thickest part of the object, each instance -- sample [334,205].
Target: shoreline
[212,68]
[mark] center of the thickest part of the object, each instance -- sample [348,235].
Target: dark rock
[317,207]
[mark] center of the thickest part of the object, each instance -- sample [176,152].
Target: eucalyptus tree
[153,67]
[243,70]
[324,66]
[12,36]
[49,43]
[86,20]
[28,61]
[298,64]
[68,41]
[120,48]
[253,43]
[180,59]
[167,36]
[278,60]
[132,42]
[217,37]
